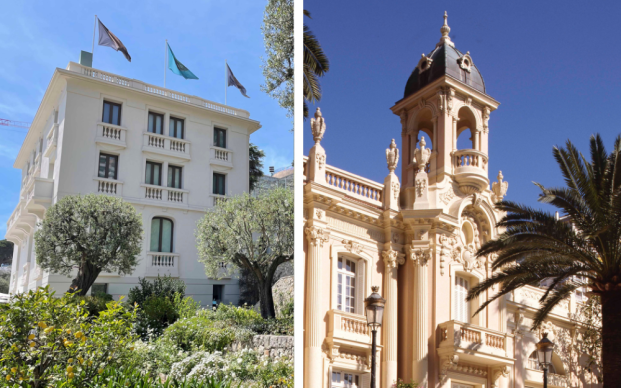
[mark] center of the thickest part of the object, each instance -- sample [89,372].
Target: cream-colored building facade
[415,237]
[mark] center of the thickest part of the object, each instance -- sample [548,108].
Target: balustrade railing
[109,186]
[221,154]
[354,326]
[354,185]
[218,199]
[162,264]
[154,193]
[459,335]
[165,194]
[51,140]
[172,145]
[470,158]
[156,141]
[175,196]
[348,326]
[139,85]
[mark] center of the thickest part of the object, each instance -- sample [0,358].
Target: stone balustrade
[455,335]
[165,194]
[111,134]
[162,264]
[51,142]
[348,326]
[167,145]
[354,185]
[222,157]
[470,170]
[152,89]
[217,199]
[109,186]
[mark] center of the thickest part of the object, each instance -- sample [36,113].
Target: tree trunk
[87,274]
[266,299]
[611,338]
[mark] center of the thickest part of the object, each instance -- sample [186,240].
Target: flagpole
[165,54]
[94,29]
[225,81]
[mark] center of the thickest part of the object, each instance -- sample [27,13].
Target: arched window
[465,130]
[161,235]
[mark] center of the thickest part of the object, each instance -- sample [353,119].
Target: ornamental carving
[321,160]
[486,113]
[352,246]
[421,186]
[421,155]
[316,235]
[318,126]
[497,372]
[440,95]
[471,243]
[424,63]
[395,189]
[499,188]
[465,62]
[468,101]
[392,156]
[449,250]
[447,362]
[319,214]
[419,255]
[471,369]
[450,96]
[392,258]
[447,196]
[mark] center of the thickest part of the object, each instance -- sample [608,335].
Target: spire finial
[445,32]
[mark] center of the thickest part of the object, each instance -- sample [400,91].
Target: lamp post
[374,306]
[545,347]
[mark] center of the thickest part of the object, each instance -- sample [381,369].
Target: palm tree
[536,245]
[316,64]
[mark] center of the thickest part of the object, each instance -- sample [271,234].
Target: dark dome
[445,60]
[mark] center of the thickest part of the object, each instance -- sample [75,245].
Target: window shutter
[360,287]
[365,380]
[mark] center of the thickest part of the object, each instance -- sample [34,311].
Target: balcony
[165,194]
[166,145]
[162,264]
[221,157]
[218,199]
[348,327]
[474,344]
[51,143]
[39,195]
[111,135]
[355,186]
[470,170]
[109,186]
[530,296]
[535,377]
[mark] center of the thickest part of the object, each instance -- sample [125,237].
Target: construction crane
[13,123]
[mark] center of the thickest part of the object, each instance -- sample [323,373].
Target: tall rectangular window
[174,176]
[108,166]
[111,113]
[219,137]
[156,123]
[461,307]
[344,380]
[153,174]
[176,128]
[218,184]
[346,285]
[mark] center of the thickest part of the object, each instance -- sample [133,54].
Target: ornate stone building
[416,237]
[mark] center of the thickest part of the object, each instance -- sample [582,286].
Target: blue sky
[39,36]
[554,66]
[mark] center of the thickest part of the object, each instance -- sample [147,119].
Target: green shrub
[239,316]
[96,303]
[131,377]
[186,307]
[202,333]
[157,356]
[275,326]
[53,340]
[161,286]
[5,280]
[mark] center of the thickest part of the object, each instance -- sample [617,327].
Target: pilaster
[392,259]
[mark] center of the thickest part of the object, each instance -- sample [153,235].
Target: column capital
[316,235]
[393,258]
[419,252]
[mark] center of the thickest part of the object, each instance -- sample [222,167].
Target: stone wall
[273,345]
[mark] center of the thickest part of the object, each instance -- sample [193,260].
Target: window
[219,137]
[460,385]
[156,123]
[344,380]
[461,307]
[161,235]
[533,363]
[218,291]
[346,285]
[99,288]
[108,166]
[219,184]
[174,177]
[111,113]
[153,174]
[176,128]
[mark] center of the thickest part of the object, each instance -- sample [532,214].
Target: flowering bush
[46,341]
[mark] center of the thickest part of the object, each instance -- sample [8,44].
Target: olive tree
[255,233]
[90,233]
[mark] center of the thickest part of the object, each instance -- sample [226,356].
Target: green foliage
[255,160]
[96,303]
[588,318]
[233,315]
[401,384]
[200,333]
[5,282]
[50,340]
[91,233]
[165,286]
[131,377]
[249,232]
[278,67]
[6,252]
[185,307]
[316,64]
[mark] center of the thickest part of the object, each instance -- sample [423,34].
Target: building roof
[445,59]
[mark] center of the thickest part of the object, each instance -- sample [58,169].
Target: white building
[172,155]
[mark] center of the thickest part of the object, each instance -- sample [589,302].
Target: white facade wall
[69,125]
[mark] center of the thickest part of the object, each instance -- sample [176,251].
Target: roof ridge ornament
[445,29]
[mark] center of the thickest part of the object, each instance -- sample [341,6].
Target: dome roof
[445,59]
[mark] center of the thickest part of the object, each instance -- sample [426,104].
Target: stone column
[389,327]
[312,348]
[419,253]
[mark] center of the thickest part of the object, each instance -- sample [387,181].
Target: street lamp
[545,347]
[374,306]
